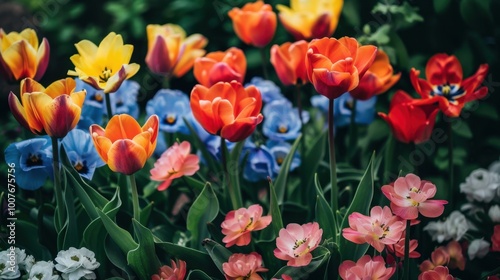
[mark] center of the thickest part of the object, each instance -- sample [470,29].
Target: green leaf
[486,110]
[194,184]
[217,252]
[234,171]
[310,163]
[441,5]
[476,14]
[281,180]
[71,234]
[303,272]
[143,259]
[462,130]
[213,165]
[204,210]
[361,204]
[324,214]
[332,266]
[122,237]
[195,259]
[26,237]
[270,232]
[146,213]
[198,275]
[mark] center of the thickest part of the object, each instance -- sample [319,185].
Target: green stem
[135,198]
[450,167]
[234,193]
[353,132]
[264,62]
[333,166]
[108,105]
[388,161]
[406,269]
[302,142]
[57,184]
[166,82]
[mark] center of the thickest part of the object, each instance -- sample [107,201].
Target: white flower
[495,167]
[478,248]
[8,265]
[76,263]
[481,185]
[43,271]
[494,213]
[455,226]
[28,263]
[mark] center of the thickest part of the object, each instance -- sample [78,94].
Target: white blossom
[9,268]
[76,263]
[481,185]
[495,167]
[494,213]
[43,271]
[454,227]
[478,248]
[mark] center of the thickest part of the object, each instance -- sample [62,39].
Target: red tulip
[255,23]
[289,62]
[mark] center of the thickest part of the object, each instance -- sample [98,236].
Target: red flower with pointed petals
[411,120]
[255,23]
[220,67]
[289,62]
[444,82]
[336,66]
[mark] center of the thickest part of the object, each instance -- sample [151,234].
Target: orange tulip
[227,109]
[54,110]
[170,52]
[220,67]
[289,62]
[336,66]
[255,23]
[310,19]
[378,79]
[124,145]
[21,56]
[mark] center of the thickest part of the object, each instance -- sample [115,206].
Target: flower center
[279,160]
[81,167]
[75,258]
[170,119]
[298,243]
[97,97]
[106,74]
[452,92]
[248,225]
[282,128]
[34,160]
[39,276]
[171,172]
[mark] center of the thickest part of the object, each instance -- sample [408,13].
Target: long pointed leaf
[281,180]
[204,210]
[143,259]
[270,232]
[324,214]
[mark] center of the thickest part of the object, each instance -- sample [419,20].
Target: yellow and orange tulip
[170,52]
[378,79]
[255,23]
[310,19]
[227,109]
[336,66]
[54,110]
[104,67]
[221,67]
[21,55]
[289,61]
[124,145]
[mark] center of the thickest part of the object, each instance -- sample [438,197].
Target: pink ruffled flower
[399,248]
[174,163]
[241,266]
[438,273]
[366,268]
[296,242]
[410,195]
[239,224]
[176,272]
[379,229]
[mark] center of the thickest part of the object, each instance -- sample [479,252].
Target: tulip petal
[241,128]
[21,59]
[126,156]
[18,110]
[43,56]
[122,127]
[157,58]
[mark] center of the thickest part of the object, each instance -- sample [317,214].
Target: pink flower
[399,248]
[241,266]
[239,224]
[495,239]
[283,277]
[296,242]
[439,257]
[174,163]
[176,272]
[366,268]
[379,229]
[410,195]
[439,273]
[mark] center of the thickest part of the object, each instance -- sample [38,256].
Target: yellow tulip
[308,19]
[21,56]
[54,110]
[104,67]
[170,52]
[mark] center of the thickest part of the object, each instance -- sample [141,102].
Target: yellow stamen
[106,74]
[282,129]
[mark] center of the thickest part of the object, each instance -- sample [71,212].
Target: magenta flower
[241,266]
[366,268]
[410,195]
[239,224]
[379,229]
[174,163]
[296,242]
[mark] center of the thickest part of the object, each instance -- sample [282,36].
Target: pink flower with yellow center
[379,229]
[242,267]
[176,271]
[296,242]
[174,163]
[366,268]
[239,224]
[410,195]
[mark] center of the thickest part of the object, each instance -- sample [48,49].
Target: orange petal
[59,115]
[241,128]
[61,87]
[101,143]
[127,157]
[364,58]
[21,59]
[30,85]
[18,110]
[33,116]
[122,127]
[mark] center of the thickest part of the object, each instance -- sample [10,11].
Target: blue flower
[268,89]
[171,106]
[82,153]
[33,162]
[279,150]
[365,109]
[260,162]
[281,120]
[123,101]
